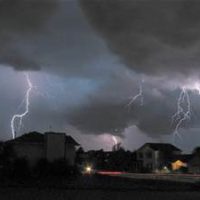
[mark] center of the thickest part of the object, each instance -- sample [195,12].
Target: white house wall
[55,146]
[146,160]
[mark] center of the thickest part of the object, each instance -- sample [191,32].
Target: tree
[79,155]
[21,168]
[116,147]
[196,151]
[7,157]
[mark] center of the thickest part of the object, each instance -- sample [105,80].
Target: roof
[166,147]
[68,138]
[36,137]
[32,137]
[71,140]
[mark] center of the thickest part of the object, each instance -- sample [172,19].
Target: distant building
[194,163]
[156,156]
[51,146]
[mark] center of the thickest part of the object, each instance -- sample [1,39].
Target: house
[50,145]
[156,156]
[194,165]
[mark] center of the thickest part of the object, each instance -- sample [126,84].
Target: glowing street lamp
[88,169]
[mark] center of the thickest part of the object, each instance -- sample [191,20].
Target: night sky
[86,59]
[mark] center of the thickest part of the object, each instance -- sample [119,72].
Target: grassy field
[100,188]
[57,194]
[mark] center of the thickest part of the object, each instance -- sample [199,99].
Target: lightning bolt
[137,96]
[114,140]
[27,104]
[183,112]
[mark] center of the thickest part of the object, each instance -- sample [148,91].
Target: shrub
[58,168]
[21,168]
[42,168]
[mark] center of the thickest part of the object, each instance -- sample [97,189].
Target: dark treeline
[116,160]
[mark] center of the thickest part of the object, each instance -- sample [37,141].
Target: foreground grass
[99,188]
[57,194]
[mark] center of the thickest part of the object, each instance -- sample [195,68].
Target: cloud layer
[151,36]
[19,20]
[87,80]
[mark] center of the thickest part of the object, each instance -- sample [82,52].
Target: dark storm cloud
[111,115]
[51,36]
[154,118]
[25,15]
[102,118]
[110,118]
[19,19]
[54,37]
[150,36]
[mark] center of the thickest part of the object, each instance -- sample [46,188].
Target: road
[187,178]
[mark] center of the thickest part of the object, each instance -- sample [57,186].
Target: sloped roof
[32,137]
[68,138]
[71,140]
[165,147]
[36,137]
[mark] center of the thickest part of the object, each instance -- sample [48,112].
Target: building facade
[194,164]
[156,156]
[51,146]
